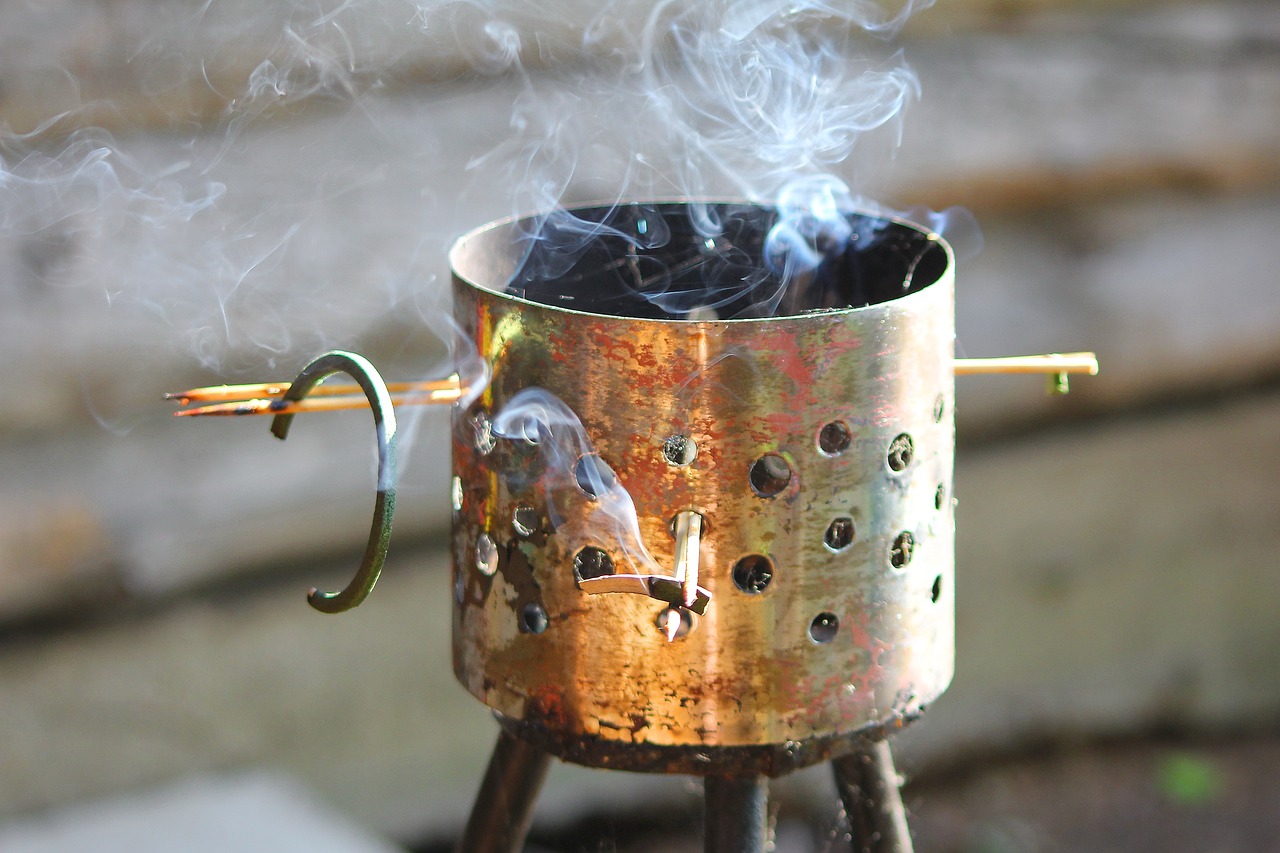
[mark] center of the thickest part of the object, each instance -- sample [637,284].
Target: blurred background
[204,192]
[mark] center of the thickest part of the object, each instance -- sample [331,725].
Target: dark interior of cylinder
[687,261]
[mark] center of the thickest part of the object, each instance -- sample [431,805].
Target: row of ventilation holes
[769,476]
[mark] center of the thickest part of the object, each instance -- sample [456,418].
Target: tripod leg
[869,786]
[737,814]
[503,808]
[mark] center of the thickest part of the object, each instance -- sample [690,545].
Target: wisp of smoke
[574,471]
[754,99]
[769,101]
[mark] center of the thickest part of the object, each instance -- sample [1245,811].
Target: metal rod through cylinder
[737,814]
[503,809]
[870,789]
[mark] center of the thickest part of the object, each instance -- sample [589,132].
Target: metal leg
[869,786]
[737,814]
[503,808]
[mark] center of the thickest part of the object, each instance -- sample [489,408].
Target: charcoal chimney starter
[801,447]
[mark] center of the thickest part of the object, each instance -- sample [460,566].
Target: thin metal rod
[503,809]
[869,787]
[737,814]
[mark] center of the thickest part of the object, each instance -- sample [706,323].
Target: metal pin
[681,591]
[688,533]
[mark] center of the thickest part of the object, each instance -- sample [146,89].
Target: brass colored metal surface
[822,477]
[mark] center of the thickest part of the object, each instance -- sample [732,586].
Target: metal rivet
[485,440]
[524,520]
[486,554]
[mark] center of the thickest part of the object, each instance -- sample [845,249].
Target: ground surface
[1151,794]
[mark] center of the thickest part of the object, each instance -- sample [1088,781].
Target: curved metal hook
[375,553]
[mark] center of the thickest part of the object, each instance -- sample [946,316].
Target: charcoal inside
[680,261]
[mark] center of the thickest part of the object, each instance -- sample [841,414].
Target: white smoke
[574,471]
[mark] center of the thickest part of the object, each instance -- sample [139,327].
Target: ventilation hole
[939,408]
[753,573]
[834,438]
[900,554]
[524,521]
[594,475]
[533,618]
[936,591]
[484,438]
[457,494]
[486,554]
[940,497]
[823,628]
[770,474]
[679,450]
[686,622]
[839,535]
[901,451]
[592,563]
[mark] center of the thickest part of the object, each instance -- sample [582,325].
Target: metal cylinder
[815,444]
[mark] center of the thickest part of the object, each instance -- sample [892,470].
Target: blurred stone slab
[52,554]
[1171,97]
[85,63]
[1174,294]
[172,505]
[129,63]
[249,813]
